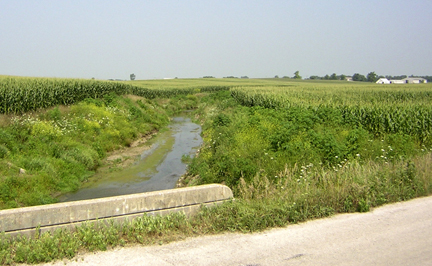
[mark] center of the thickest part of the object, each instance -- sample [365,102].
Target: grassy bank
[290,151]
[50,152]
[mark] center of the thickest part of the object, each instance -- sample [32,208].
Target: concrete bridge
[70,214]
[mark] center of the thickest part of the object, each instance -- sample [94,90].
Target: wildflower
[358,155]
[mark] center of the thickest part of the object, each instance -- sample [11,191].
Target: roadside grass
[261,204]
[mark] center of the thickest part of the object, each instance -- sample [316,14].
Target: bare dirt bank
[127,155]
[396,234]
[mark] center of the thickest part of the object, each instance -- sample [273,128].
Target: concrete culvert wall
[69,214]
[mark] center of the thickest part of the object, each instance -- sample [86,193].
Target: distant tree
[326,77]
[428,78]
[276,77]
[359,77]
[314,77]
[208,77]
[342,77]
[132,76]
[297,75]
[396,77]
[372,77]
[333,76]
[244,77]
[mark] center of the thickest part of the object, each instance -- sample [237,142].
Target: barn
[383,81]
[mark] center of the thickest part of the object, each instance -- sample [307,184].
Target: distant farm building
[348,78]
[407,80]
[397,81]
[383,81]
[415,80]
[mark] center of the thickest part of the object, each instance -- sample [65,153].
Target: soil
[126,156]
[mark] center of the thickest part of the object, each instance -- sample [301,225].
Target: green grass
[261,204]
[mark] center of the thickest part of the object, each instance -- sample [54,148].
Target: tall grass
[261,204]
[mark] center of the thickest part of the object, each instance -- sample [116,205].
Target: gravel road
[396,234]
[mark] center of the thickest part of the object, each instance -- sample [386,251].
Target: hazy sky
[186,39]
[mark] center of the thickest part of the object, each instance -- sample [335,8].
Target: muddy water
[157,168]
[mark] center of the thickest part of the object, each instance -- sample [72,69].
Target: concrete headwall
[69,214]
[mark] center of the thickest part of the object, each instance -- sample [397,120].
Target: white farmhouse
[383,81]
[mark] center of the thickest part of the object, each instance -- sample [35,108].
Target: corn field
[405,109]
[20,95]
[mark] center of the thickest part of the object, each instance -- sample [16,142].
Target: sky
[156,39]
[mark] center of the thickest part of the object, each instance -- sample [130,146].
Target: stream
[159,167]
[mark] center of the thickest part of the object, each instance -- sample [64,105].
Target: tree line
[370,77]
